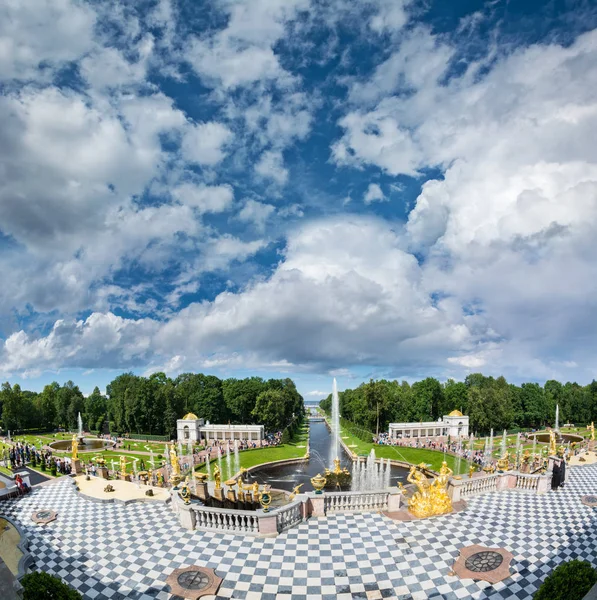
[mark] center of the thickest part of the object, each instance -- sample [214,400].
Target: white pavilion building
[192,429]
[454,425]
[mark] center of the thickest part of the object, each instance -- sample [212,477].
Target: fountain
[228,464]
[561,438]
[335,424]
[84,443]
[236,457]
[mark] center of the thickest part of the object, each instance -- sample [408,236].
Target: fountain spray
[236,457]
[557,426]
[80,424]
[335,424]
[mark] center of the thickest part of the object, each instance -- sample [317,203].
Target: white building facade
[192,429]
[454,425]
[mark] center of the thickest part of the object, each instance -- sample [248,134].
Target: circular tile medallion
[481,562]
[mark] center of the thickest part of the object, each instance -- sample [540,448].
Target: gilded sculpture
[295,491]
[217,478]
[174,461]
[591,428]
[552,443]
[431,497]
[75,447]
[123,465]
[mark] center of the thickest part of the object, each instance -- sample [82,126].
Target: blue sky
[298,188]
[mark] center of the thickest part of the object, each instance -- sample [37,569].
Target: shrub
[570,581]
[43,464]
[53,469]
[33,460]
[41,586]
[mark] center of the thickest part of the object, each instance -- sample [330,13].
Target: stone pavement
[115,551]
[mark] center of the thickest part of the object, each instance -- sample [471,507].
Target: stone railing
[288,516]
[513,480]
[478,485]
[242,522]
[528,482]
[355,501]
[222,519]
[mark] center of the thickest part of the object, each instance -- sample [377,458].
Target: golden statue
[160,479]
[75,447]
[591,428]
[239,483]
[174,462]
[295,491]
[123,465]
[471,470]
[185,492]
[255,488]
[430,498]
[552,443]
[217,477]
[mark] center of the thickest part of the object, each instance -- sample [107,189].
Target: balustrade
[479,485]
[355,501]
[235,521]
[289,515]
[527,482]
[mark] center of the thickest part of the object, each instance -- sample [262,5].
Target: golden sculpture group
[431,497]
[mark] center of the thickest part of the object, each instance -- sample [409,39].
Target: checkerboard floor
[114,551]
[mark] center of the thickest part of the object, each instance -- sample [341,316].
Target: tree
[12,406]
[269,410]
[95,410]
[427,398]
[455,396]
[533,404]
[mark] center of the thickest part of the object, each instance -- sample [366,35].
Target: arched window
[186,432]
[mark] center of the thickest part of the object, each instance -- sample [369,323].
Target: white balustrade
[479,485]
[527,482]
[355,501]
[221,519]
[288,516]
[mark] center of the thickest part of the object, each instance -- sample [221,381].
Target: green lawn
[249,458]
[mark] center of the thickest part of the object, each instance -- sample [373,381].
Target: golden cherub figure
[295,491]
[217,477]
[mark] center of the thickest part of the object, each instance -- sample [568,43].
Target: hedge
[42,586]
[570,581]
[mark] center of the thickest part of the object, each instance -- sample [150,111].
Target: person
[23,487]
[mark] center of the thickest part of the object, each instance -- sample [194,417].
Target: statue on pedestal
[217,478]
[75,447]
[430,498]
[174,461]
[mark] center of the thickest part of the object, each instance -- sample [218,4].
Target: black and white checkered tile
[115,551]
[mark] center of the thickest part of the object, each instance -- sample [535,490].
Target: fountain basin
[85,444]
[561,438]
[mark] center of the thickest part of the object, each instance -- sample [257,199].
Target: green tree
[571,580]
[12,406]
[427,398]
[42,586]
[455,397]
[95,409]
[269,410]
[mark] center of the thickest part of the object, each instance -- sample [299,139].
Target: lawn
[413,456]
[249,458]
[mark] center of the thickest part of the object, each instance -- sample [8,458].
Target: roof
[456,413]
[190,417]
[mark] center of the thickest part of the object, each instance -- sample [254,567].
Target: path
[134,548]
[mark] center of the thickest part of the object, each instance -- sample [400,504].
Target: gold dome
[190,417]
[456,413]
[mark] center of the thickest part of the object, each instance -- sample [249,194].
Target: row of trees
[151,405]
[489,402]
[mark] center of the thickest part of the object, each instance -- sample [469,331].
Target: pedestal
[219,494]
[231,495]
[122,477]
[202,492]
[103,472]
[76,466]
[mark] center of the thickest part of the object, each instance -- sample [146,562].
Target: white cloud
[242,53]
[204,143]
[390,16]
[271,166]
[256,213]
[42,34]
[207,199]
[374,194]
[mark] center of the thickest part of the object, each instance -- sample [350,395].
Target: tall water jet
[236,457]
[557,426]
[228,463]
[220,459]
[80,423]
[518,450]
[335,424]
[388,481]
[208,465]
[491,443]
[504,444]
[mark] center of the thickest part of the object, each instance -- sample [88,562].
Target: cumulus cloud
[204,143]
[256,213]
[207,199]
[271,166]
[374,194]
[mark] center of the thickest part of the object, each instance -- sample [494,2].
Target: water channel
[286,477]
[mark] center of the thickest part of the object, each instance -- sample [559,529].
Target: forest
[489,402]
[151,405]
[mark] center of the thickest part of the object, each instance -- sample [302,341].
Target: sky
[298,188]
